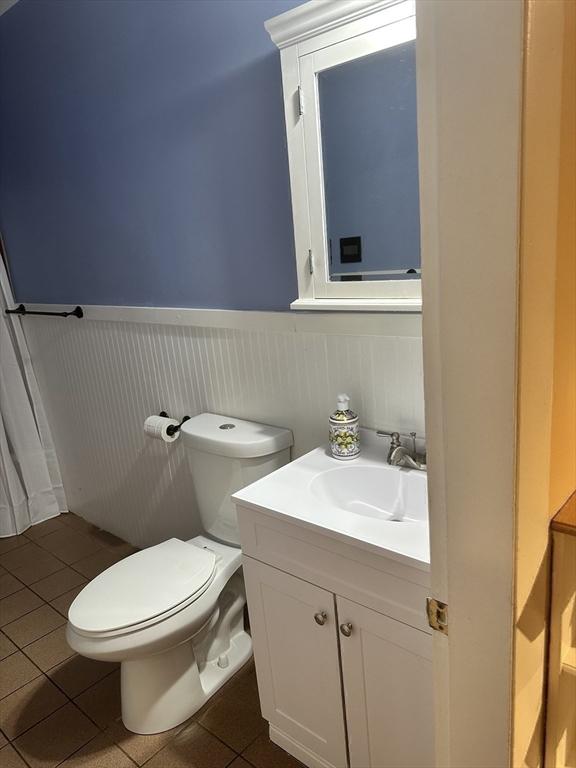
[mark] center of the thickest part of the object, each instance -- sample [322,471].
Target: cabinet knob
[346,629]
[320,618]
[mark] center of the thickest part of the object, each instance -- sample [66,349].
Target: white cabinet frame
[313,37]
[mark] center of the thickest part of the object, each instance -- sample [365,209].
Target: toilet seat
[143,589]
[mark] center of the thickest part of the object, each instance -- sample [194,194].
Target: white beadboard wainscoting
[100,379]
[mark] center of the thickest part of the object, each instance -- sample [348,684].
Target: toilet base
[160,692]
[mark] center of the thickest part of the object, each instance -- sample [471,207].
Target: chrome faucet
[399,456]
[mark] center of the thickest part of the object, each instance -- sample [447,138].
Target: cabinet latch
[437,615]
[310,263]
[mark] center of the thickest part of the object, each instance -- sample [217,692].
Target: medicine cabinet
[349,73]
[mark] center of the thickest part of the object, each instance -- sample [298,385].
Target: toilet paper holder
[173,428]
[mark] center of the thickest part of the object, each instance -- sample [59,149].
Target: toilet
[173,614]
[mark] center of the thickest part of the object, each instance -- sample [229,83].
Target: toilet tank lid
[227,436]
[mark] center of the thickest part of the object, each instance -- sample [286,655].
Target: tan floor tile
[16,671]
[240,763]
[78,673]
[263,753]
[29,574]
[101,702]
[3,740]
[9,758]
[78,523]
[43,529]
[31,563]
[234,716]
[69,545]
[101,752]
[193,748]
[18,604]
[6,646]
[63,603]
[9,584]
[50,650]
[113,543]
[8,543]
[56,738]
[58,583]
[24,555]
[28,705]
[92,565]
[33,625]
[140,748]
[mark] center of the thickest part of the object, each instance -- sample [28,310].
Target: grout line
[126,753]
[85,689]
[21,647]
[30,585]
[55,597]
[70,701]
[9,573]
[11,741]
[250,744]
[45,671]
[43,536]
[20,754]
[13,536]
[27,681]
[215,736]
[71,755]
[24,614]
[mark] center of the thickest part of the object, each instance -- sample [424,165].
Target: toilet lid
[143,586]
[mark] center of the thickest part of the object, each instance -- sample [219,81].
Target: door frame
[470,118]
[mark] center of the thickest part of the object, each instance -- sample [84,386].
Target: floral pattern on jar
[344,439]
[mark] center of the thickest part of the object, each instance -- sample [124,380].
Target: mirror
[370,166]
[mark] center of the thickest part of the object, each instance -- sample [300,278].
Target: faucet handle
[394,437]
[394,442]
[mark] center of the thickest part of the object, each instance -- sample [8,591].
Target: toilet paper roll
[156,426]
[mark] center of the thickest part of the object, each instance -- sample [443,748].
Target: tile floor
[58,708]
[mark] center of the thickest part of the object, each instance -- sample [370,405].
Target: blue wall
[142,154]
[370,151]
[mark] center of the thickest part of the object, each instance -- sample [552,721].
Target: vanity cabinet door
[387,675]
[295,640]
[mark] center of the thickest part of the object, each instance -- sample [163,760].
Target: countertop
[286,494]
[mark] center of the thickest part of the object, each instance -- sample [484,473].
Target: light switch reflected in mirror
[370,166]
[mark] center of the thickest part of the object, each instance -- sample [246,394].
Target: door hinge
[437,615]
[300,101]
[310,263]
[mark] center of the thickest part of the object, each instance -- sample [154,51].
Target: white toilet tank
[224,455]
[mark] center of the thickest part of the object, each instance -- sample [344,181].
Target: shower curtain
[30,484]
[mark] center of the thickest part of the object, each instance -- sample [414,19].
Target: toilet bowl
[173,614]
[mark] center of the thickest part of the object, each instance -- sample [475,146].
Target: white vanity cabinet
[344,680]
[387,677]
[293,627]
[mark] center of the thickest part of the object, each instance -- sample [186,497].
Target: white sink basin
[384,493]
[364,501]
